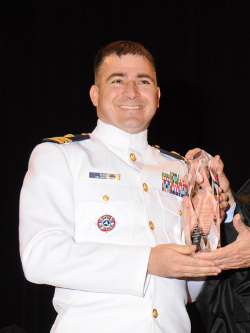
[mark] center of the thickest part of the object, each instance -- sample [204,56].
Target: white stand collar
[114,137]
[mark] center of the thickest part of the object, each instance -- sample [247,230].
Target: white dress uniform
[90,211]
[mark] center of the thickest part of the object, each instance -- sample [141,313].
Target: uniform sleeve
[48,250]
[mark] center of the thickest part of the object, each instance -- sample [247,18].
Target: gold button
[145,187]
[105,197]
[151,225]
[180,212]
[133,157]
[155,313]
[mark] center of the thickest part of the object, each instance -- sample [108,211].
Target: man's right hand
[174,261]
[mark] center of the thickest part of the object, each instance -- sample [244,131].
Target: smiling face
[126,93]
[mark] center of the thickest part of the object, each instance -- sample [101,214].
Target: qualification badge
[106,223]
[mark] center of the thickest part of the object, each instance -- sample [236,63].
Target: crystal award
[202,218]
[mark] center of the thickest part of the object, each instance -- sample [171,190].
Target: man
[224,302]
[98,219]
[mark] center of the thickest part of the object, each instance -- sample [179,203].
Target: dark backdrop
[47,49]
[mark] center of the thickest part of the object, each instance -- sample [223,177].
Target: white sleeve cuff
[194,287]
[230,214]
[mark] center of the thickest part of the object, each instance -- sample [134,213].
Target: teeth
[136,107]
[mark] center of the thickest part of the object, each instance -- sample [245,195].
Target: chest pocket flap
[104,212]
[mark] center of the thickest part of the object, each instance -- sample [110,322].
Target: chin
[133,128]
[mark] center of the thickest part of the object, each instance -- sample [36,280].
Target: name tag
[103,175]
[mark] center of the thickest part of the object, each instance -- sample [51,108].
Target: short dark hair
[120,48]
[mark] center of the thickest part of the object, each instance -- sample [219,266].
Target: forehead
[129,64]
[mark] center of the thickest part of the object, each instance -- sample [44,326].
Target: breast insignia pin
[106,223]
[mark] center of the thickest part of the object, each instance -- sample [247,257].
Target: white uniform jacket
[90,211]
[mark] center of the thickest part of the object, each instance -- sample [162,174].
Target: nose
[131,90]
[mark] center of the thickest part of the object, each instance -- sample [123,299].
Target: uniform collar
[114,137]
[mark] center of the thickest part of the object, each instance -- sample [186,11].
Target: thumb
[238,224]
[190,154]
[184,249]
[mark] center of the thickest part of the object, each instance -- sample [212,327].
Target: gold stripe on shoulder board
[59,139]
[174,152]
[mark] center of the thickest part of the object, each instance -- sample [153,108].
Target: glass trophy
[202,218]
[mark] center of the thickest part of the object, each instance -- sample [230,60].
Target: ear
[94,94]
[158,92]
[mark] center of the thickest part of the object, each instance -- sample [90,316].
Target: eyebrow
[139,76]
[115,75]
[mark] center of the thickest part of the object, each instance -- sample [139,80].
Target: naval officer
[101,214]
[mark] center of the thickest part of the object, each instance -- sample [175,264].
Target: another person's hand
[174,261]
[235,255]
[226,196]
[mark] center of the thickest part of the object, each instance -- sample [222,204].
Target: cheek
[153,100]
[151,95]
[108,97]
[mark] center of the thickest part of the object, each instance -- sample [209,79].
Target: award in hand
[202,219]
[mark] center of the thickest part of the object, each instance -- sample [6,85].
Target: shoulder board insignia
[67,138]
[170,153]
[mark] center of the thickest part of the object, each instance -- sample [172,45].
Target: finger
[183,249]
[234,262]
[226,267]
[196,273]
[202,263]
[192,152]
[222,215]
[190,267]
[217,164]
[214,255]
[223,197]
[202,270]
[224,205]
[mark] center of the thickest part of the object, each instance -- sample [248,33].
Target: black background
[202,50]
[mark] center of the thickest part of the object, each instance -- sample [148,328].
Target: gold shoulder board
[67,138]
[171,153]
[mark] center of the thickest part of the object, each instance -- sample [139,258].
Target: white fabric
[230,214]
[101,277]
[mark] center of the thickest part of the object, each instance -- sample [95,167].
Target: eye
[117,81]
[144,82]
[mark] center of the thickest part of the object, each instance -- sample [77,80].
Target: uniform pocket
[104,212]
